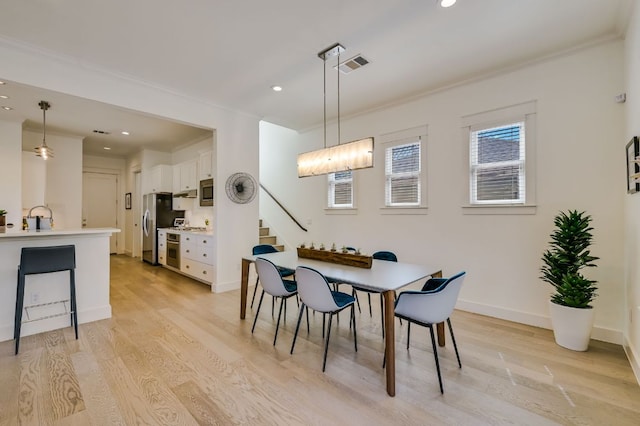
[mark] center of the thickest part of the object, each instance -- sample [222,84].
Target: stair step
[268,239]
[279,247]
[264,231]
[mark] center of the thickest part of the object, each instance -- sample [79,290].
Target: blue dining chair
[315,292]
[266,249]
[432,305]
[379,255]
[273,284]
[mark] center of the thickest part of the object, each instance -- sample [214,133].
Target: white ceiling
[231,52]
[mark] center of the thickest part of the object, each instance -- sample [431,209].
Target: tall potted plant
[570,305]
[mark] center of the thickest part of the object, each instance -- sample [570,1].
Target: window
[500,160]
[402,171]
[340,190]
[497,166]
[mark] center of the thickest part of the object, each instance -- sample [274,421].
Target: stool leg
[19,307]
[74,305]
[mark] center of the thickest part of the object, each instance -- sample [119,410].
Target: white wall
[237,134]
[579,166]
[11,171]
[631,310]
[63,192]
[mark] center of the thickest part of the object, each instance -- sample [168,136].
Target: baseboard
[89,315]
[633,357]
[222,287]
[598,333]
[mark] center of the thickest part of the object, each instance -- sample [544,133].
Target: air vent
[102,132]
[352,64]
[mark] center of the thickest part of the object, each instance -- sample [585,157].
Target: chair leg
[370,311]
[255,288]
[324,316]
[395,297]
[74,303]
[257,312]
[435,356]
[453,339]
[354,293]
[307,309]
[408,333]
[283,301]
[326,345]
[18,313]
[293,344]
[382,313]
[355,332]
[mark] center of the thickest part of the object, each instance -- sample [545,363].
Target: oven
[173,250]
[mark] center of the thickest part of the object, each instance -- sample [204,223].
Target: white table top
[382,276]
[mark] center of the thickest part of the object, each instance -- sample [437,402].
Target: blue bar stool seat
[43,260]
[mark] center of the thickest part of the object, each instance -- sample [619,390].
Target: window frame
[396,139]
[525,113]
[331,192]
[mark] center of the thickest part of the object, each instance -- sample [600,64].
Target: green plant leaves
[567,255]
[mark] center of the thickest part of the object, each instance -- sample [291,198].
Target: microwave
[206,192]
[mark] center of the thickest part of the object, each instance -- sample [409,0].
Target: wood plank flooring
[175,353]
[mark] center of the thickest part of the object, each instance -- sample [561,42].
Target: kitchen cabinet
[185,176]
[157,179]
[196,256]
[205,165]
[162,247]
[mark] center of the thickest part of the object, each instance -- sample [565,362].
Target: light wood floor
[175,353]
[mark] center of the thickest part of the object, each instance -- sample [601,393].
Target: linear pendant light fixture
[43,150]
[341,157]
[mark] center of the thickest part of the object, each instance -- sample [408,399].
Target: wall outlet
[35,298]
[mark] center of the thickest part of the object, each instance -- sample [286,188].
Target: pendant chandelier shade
[43,150]
[341,157]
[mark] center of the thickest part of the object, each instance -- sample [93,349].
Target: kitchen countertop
[187,231]
[19,233]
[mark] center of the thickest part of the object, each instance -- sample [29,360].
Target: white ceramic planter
[571,326]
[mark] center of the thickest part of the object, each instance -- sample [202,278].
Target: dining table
[384,276]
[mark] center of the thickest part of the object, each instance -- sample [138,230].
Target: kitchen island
[92,278]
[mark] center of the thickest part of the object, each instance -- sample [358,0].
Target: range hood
[192,193]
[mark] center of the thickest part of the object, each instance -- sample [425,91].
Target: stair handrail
[283,208]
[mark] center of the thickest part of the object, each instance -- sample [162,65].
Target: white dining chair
[429,307]
[315,293]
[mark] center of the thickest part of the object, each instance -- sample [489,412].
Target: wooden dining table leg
[390,341]
[244,285]
[440,325]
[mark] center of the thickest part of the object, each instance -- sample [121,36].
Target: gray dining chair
[284,272]
[273,284]
[315,292]
[432,306]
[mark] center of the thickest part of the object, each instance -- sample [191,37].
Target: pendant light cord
[324,89]
[338,71]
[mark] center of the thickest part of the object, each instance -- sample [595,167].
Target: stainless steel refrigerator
[158,213]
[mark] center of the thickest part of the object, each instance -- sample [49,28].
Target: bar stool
[43,260]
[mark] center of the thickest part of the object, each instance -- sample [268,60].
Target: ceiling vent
[352,64]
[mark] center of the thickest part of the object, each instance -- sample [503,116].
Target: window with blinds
[497,164]
[402,172]
[340,190]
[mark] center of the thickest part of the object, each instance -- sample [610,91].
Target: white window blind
[497,164]
[402,171]
[340,190]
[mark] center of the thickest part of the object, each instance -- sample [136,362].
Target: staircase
[265,238]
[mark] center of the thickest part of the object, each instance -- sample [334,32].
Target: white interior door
[100,203]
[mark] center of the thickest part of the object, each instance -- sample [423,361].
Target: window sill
[496,209]
[341,211]
[403,210]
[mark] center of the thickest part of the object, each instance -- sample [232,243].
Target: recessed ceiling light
[447,3]
[6,108]
[106,148]
[124,132]
[277,88]
[4,97]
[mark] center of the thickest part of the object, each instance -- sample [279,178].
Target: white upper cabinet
[205,165]
[185,176]
[157,179]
